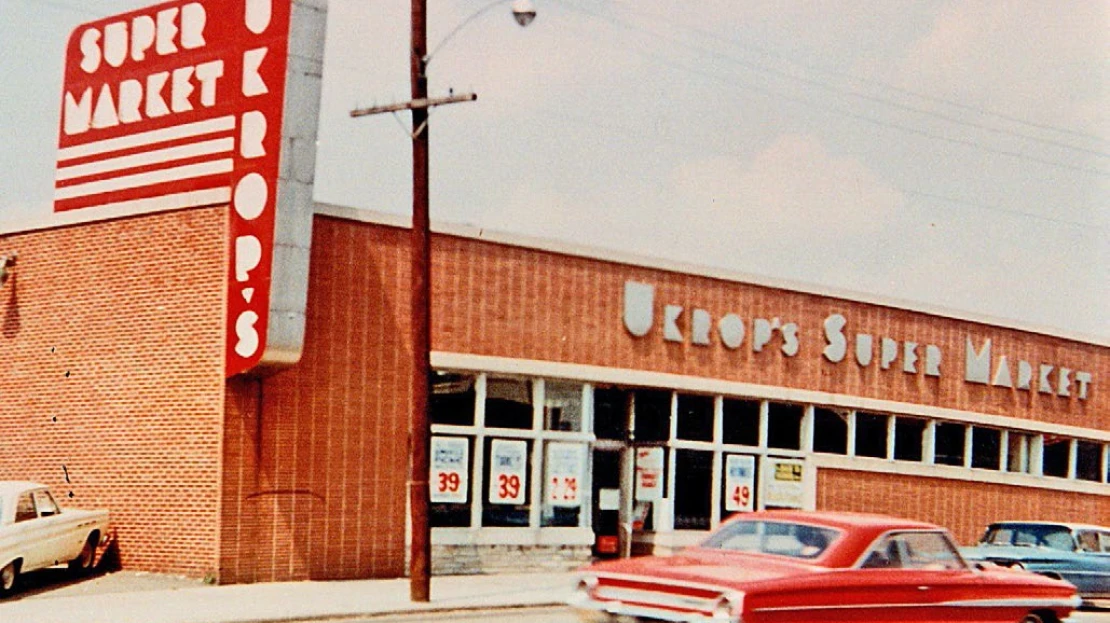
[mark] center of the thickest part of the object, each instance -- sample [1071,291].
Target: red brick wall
[498,300]
[112,347]
[316,488]
[965,508]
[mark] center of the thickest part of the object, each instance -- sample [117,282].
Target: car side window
[914,550]
[25,508]
[45,503]
[1105,538]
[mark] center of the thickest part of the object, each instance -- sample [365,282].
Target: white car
[36,533]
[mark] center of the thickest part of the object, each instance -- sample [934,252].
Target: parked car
[1077,553]
[36,533]
[773,566]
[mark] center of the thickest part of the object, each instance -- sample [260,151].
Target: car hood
[707,567]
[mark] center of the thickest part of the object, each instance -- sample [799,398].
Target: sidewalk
[127,597]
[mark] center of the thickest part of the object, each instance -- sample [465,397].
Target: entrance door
[606,498]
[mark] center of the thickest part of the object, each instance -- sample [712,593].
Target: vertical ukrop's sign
[180,105]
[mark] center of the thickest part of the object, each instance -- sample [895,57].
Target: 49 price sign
[739,483]
[508,477]
[565,464]
[450,464]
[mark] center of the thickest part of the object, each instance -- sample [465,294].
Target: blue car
[1076,553]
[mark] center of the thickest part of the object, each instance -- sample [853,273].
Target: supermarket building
[743,394]
[226,366]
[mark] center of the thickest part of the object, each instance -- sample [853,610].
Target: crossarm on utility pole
[422,104]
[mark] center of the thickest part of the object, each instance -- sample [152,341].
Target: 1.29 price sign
[565,464]
[450,465]
[507,472]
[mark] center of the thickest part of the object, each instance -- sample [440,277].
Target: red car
[778,566]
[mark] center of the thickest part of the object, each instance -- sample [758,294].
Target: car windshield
[773,537]
[1030,535]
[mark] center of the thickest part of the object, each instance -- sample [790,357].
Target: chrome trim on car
[1073,602]
[617,608]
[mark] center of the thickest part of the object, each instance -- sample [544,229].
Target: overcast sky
[953,154]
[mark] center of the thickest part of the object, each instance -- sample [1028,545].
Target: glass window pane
[653,415]
[986,446]
[508,403]
[830,431]
[452,399]
[562,406]
[25,508]
[1057,456]
[784,425]
[610,412]
[1089,461]
[563,466]
[1017,456]
[741,422]
[693,476]
[44,503]
[950,443]
[909,435]
[506,478]
[695,417]
[455,514]
[871,430]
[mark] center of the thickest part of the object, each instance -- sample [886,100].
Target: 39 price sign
[565,464]
[739,483]
[508,476]
[450,464]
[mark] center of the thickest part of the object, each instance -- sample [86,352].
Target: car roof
[1063,524]
[11,487]
[842,519]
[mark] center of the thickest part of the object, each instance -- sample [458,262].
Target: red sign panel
[180,105]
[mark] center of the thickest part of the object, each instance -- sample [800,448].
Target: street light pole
[420,551]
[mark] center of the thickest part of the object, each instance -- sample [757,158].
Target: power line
[840,111]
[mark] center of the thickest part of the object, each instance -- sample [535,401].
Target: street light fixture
[420,551]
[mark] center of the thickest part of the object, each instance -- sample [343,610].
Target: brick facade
[112,342]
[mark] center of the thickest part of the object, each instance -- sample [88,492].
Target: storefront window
[695,417]
[1017,455]
[950,443]
[562,406]
[610,413]
[564,467]
[653,415]
[1057,456]
[871,431]
[507,465]
[450,487]
[784,426]
[693,477]
[741,422]
[830,431]
[452,400]
[986,446]
[909,434]
[508,403]
[1088,462]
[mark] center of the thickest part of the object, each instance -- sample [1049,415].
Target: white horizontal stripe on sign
[199,128]
[160,176]
[173,201]
[181,152]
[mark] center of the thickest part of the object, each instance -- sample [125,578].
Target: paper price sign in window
[508,476]
[649,474]
[739,483]
[450,464]
[565,464]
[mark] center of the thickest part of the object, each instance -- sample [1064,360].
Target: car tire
[1032,618]
[8,576]
[83,564]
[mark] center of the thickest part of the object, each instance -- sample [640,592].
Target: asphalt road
[564,615]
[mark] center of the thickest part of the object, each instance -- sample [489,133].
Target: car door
[55,533]
[29,533]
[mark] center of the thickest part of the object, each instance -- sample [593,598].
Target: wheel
[84,562]
[8,577]
[1032,618]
